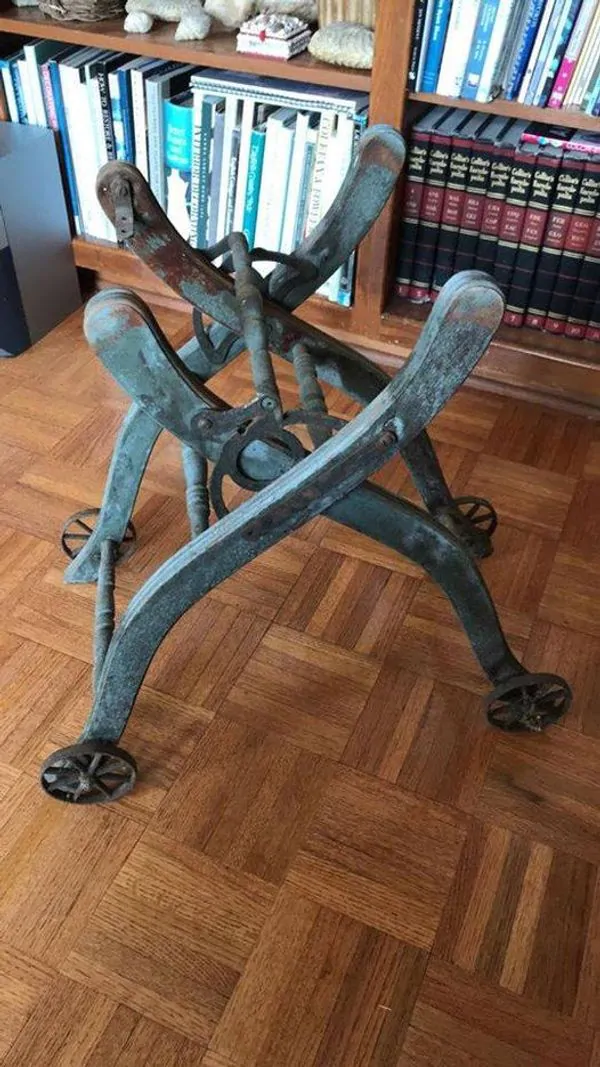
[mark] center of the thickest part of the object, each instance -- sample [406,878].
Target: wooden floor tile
[461,1020]
[527,498]
[467,420]
[517,572]
[23,983]
[380,855]
[582,528]
[576,656]
[339,995]
[529,434]
[572,592]
[171,936]
[245,799]
[303,689]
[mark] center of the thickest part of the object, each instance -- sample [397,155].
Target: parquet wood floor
[330,859]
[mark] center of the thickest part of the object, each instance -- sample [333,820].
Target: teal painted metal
[256,446]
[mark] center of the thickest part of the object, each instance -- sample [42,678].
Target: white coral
[230,13]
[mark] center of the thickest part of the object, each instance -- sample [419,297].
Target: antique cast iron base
[255,445]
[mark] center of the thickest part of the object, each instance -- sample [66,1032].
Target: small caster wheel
[474,521]
[91,772]
[79,528]
[529,702]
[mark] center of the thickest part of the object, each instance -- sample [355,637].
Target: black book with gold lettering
[512,218]
[478,178]
[500,170]
[416,169]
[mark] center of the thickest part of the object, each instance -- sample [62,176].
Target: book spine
[48,97]
[489,74]
[18,91]
[138,107]
[556,53]
[512,218]
[9,91]
[474,201]
[178,127]
[195,174]
[424,43]
[458,41]
[345,138]
[305,187]
[63,134]
[438,162]
[416,170]
[534,227]
[77,115]
[203,177]
[515,76]
[232,179]
[266,93]
[420,11]
[231,118]
[255,170]
[107,123]
[216,162]
[28,104]
[548,44]
[248,111]
[584,65]
[590,93]
[535,51]
[435,47]
[572,53]
[587,286]
[127,113]
[326,128]
[293,194]
[156,169]
[497,191]
[452,210]
[40,117]
[479,48]
[565,242]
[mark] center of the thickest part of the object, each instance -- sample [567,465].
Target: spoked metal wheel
[474,520]
[529,702]
[92,772]
[79,528]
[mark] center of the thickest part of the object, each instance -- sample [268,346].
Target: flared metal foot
[474,521]
[79,527]
[529,702]
[91,772]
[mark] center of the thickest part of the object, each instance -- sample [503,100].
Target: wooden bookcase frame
[560,371]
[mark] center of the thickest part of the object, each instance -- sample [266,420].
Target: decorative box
[277,36]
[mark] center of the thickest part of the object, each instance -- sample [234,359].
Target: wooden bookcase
[539,365]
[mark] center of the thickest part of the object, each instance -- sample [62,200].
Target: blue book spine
[522,57]
[178,124]
[538,70]
[479,47]
[19,97]
[63,133]
[126,115]
[255,169]
[435,47]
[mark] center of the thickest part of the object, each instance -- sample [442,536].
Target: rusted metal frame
[104,621]
[249,298]
[195,469]
[472,312]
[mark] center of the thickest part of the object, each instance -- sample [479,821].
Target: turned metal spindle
[104,622]
[248,292]
[195,469]
[311,395]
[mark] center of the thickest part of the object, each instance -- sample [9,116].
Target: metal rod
[195,469]
[311,394]
[247,290]
[104,622]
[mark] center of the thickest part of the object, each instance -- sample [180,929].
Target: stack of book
[540,52]
[518,200]
[221,151]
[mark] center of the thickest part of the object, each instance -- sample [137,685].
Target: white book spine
[101,155]
[535,51]
[266,223]
[424,43]
[77,120]
[195,173]
[329,187]
[23,68]
[486,82]
[9,90]
[294,184]
[585,66]
[35,84]
[231,113]
[285,148]
[345,150]
[265,94]
[248,112]
[326,128]
[560,25]
[139,121]
[456,50]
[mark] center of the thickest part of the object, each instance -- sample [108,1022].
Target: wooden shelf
[218,50]
[514,110]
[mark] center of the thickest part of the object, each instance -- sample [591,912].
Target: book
[9,88]
[416,168]
[586,292]
[427,24]
[565,241]
[100,155]
[419,16]
[15,75]
[326,128]
[203,163]
[233,118]
[306,181]
[500,172]
[556,54]
[572,53]
[533,14]
[536,48]
[255,170]
[584,64]
[589,97]
[230,179]
[435,45]
[138,75]
[215,161]
[63,137]
[486,134]
[512,218]
[492,67]
[167,81]
[276,165]
[27,101]
[559,8]
[37,53]
[279,93]
[81,138]
[178,160]
[461,28]
[101,70]
[562,137]
[436,175]
[249,107]
[454,197]
[535,222]
[479,46]
[295,181]
[337,168]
